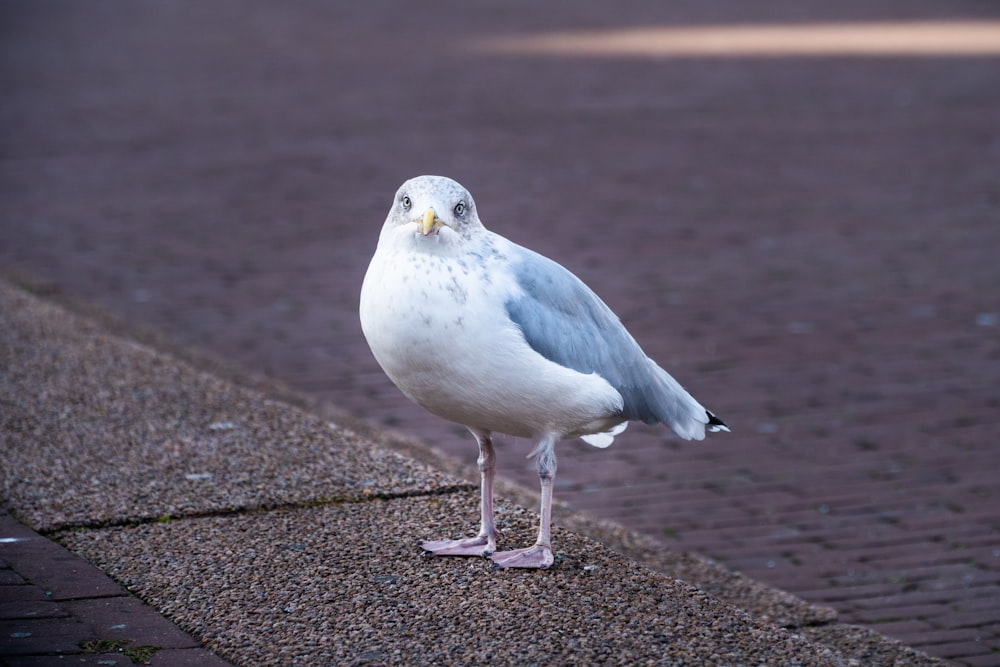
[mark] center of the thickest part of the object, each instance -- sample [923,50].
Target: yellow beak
[430,223]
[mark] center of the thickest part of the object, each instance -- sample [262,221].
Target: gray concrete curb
[271,535]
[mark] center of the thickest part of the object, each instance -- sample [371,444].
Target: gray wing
[565,322]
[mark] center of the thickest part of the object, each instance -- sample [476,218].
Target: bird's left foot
[481,545]
[538,557]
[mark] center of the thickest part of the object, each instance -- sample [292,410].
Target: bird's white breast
[437,323]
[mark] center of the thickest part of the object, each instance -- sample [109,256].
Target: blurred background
[793,206]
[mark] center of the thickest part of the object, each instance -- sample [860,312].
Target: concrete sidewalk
[273,536]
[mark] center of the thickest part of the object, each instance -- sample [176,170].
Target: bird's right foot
[481,545]
[537,557]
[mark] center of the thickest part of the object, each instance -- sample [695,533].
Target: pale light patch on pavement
[909,38]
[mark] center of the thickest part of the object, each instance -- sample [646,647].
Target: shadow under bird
[485,333]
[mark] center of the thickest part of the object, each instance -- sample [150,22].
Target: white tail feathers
[604,439]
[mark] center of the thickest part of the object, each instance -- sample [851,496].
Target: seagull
[493,336]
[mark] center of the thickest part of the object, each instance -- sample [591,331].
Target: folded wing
[565,322]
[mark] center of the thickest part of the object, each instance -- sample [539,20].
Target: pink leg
[485,543]
[539,555]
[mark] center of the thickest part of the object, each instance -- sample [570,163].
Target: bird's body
[460,346]
[483,332]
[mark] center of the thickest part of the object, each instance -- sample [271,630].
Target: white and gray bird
[488,334]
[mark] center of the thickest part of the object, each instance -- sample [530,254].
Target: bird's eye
[460,209]
[406,202]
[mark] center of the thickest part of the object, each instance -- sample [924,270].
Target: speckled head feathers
[451,202]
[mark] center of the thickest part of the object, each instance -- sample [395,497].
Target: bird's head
[432,205]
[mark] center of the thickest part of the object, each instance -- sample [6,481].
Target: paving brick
[102,659]
[892,556]
[22,593]
[921,596]
[971,619]
[894,613]
[128,618]
[854,593]
[946,636]
[9,577]
[961,650]
[986,660]
[911,632]
[35,625]
[955,575]
[190,657]
[46,635]
[31,609]
[61,574]
[987,603]
[988,557]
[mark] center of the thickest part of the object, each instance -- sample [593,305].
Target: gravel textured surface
[344,584]
[275,537]
[97,429]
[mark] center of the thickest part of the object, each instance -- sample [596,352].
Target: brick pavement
[56,606]
[807,244]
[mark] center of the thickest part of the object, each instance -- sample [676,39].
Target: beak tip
[429,223]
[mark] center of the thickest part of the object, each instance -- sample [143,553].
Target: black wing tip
[716,424]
